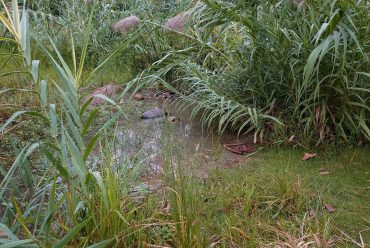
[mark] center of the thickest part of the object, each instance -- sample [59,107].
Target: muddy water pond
[159,141]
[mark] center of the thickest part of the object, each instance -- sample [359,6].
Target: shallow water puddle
[159,141]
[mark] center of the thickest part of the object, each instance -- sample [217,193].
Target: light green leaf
[90,146]
[53,121]
[43,93]
[25,36]
[35,71]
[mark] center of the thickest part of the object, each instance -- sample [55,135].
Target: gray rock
[154,113]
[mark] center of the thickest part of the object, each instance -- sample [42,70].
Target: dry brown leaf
[172,118]
[312,213]
[138,97]
[239,148]
[308,156]
[329,208]
[324,173]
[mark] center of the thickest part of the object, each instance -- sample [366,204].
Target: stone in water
[154,113]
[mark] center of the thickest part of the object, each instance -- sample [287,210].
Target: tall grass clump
[275,66]
[73,202]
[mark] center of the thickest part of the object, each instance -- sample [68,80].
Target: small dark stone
[154,113]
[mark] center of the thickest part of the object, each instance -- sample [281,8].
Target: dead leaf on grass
[239,148]
[324,173]
[312,213]
[308,156]
[138,97]
[329,208]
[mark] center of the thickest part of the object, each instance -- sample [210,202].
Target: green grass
[266,200]
[346,187]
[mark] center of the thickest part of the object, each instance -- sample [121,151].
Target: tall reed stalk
[77,188]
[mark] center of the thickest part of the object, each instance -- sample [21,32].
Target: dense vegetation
[277,70]
[270,66]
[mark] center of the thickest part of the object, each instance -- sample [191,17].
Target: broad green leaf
[53,121]
[90,146]
[73,232]
[25,36]
[43,93]
[16,114]
[8,23]
[19,160]
[53,206]
[16,16]
[75,131]
[84,48]
[85,106]
[26,243]
[67,71]
[99,181]
[5,74]
[18,90]
[71,105]
[107,99]
[5,230]
[56,163]
[77,159]
[102,244]
[89,121]
[21,219]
